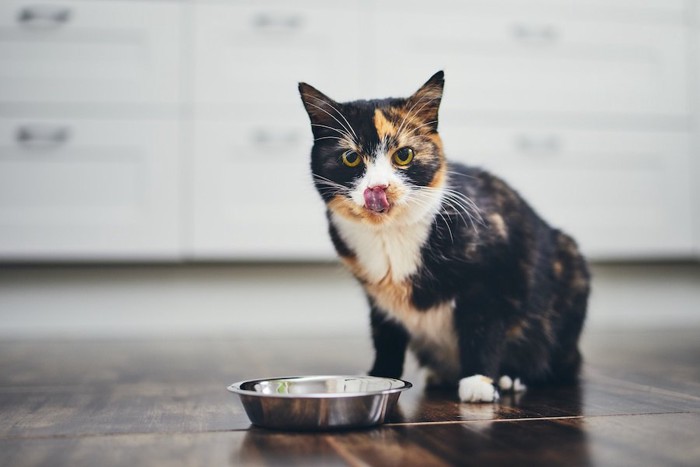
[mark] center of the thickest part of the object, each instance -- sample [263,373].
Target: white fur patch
[388,253]
[433,331]
[379,172]
[477,388]
[506,383]
[393,246]
[384,249]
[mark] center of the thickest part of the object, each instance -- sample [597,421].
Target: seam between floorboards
[531,419]
[387,425]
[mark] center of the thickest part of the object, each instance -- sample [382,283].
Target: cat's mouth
[376,199]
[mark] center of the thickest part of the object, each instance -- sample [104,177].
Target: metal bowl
[319,402]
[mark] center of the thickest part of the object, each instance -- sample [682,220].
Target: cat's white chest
[386,258]
[392,252]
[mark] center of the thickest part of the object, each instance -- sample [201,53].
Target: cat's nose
[375,198]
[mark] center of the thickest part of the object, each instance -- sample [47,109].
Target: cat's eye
[351,158]
[403,156]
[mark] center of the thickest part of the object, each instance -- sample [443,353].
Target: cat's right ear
[319,107]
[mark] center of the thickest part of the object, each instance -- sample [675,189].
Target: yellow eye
[351,159]
[403,156]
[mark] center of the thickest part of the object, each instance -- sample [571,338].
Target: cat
[456,266]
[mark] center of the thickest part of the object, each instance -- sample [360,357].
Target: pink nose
[375,198]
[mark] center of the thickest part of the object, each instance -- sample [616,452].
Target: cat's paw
[506,383]
[477,388]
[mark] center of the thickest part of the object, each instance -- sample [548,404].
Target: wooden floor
[105,403]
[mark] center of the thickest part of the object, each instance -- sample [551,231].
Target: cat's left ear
[425,102]
[320,108]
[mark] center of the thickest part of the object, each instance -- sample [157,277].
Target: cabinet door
[89,52]
[250,56]
[88,190]
[622,194]
[567,59]
[253,192]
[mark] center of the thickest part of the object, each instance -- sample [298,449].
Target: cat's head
[378,161]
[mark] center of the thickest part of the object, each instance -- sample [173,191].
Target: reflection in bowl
[319,402]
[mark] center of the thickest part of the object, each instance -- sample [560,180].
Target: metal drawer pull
[550,144]
[546,34]
[267,21]
[42,135]
[43,16]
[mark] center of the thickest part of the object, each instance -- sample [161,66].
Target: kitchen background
[154,154]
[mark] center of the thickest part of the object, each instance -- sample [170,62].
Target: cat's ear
[319,107]
[425,102]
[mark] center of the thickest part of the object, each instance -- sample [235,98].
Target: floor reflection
[515,427]
[443,405]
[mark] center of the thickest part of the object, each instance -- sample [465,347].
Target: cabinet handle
[43,16]
[546,34]
[545,145]
[269,22]
[262,137]
[43,136]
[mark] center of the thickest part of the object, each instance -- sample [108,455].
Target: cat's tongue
[375,199]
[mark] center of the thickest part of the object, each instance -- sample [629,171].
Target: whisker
[343,117]
[408,114]
[426,203]
[460,204]
[342,133]
[421,126]
[462,174]
[330,137]
[329,182]
[349,127]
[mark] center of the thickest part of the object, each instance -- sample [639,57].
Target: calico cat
[455,264]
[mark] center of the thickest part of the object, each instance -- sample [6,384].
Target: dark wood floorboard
[164,402]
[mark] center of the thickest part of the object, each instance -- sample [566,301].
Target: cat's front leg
[390,341]
[479,328]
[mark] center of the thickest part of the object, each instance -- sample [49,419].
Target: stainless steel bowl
[319,402]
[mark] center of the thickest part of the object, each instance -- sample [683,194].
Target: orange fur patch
[439,178]
[557,268]
[516,332]
[391,295]
[348,209]
[385,129]
[498,225]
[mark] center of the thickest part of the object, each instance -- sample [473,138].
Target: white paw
[477,388]
[506,383]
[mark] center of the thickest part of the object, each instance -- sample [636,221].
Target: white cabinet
[253,195]
[584,106]
[173,129]
[567,58]
[253,192]
[90,153]
[72,189]
[248,56]
[120,52]
[622,194]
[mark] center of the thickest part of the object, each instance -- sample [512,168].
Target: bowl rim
[236,387]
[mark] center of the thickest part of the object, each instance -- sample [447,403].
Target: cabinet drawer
[621,194]
[89,52]
[88,190]
[563,61]
[253,192]
[252,55]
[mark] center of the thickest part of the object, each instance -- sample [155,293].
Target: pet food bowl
[319,402]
